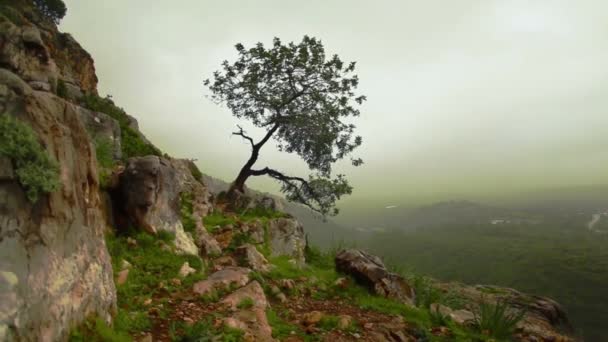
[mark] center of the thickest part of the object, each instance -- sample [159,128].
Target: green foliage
[132,143]
[439,319]
[54,10]
[11,13]
[97,331]
[35,169]
[217,219]
[300,96]
[104,152]
[186,211]
[245,303]
[496,319]
[426,292]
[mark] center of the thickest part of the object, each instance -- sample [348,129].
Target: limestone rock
[186,270]
[287,238]
[230,276]
[252,320]
[250,257]
[55,267]
[103,128]
[370,271]
[252,291]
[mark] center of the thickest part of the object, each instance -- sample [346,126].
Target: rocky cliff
[121,242]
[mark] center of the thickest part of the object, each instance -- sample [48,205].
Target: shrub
[496,319]
[35,169]
[54,10]
[246,303]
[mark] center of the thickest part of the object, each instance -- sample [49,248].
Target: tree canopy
[302,97]
[55,10]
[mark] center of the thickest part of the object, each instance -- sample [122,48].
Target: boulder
[55,270]
[251,319]
[149,196]
[287,238]
[249,256]
[370,271]
[224,279]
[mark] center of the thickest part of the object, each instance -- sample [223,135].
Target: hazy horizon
[465,100]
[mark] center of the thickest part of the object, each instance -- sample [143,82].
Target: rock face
[54,264]
[287,238]
[370,271]
[249,256]
[104,129]
[224,279]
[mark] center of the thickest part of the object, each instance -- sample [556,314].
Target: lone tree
[301,97]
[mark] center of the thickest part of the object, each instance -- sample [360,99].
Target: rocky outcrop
[287,238]
[249,256]
[54,266]
[149,197]
[544,318]
[370,271]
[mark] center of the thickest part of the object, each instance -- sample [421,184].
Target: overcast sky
[464,96]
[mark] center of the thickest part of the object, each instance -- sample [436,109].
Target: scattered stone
[176,282]
[370,271]
[146,338]
[124,265]
[312,318]
[122,277]
[341,282]
[344,321]
[368,326]
[274,289]
[251,320]
[287,284]
[281,297]
[251,257]
[186,270]
[131,242]
[237,276]
[147,302]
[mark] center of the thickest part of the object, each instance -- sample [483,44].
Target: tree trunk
[239,183]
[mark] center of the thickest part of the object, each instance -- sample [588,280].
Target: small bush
[186,212]
[496,319]
[97,331]
[35,169]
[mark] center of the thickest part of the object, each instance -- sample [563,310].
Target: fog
[466,98]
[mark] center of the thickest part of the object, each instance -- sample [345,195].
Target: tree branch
[241,133]
[290,183]
[267,136]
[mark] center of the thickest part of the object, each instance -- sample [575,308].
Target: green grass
[245,303]
[36,171]
[496,320]
[97,331]
[217,219]
[282,329]
[204,331]
[105,160]
[152,268]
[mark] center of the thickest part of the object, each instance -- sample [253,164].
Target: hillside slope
[104,238]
